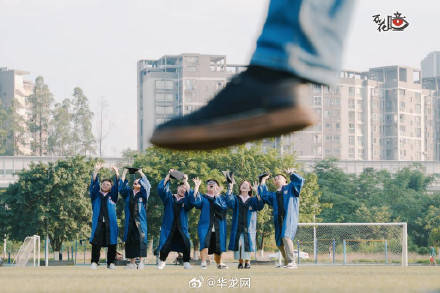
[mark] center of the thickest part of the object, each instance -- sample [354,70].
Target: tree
[12,128]
[60,135]
[38,124]
[49,199]
[83,139]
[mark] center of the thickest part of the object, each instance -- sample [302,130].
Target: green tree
[60,134]
[38,124]
[83,139]
[12,128]
[49,199]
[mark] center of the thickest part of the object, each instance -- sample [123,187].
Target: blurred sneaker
[141,266]
[111,266]
[130,266]
[259,102]
[203,265]
[94,266]
[222,266]
[291,265]
[161,265]
[186,265]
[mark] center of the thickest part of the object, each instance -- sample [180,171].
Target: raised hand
[197,181]
[185,178]
[140,172]
[263,180]
[290,170]
[116,170]
[98,166]
[255,186]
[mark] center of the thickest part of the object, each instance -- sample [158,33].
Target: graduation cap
[261,176]
[132,170]
[212,180]
[229,176]
[177,175]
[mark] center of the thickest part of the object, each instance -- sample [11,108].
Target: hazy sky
[95,44]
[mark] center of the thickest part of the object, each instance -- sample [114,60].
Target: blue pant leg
[304,37]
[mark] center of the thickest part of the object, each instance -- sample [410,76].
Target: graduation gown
[174,218]
[110,200]
[286,216]
[212,213]
[140,204]
[244,220]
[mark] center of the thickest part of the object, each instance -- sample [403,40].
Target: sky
[95,44]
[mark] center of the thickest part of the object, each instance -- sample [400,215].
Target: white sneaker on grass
[94,266]
[186,265]
[141,266]
[291,265]
[222,266]
[203,265]
[161,265]
[112,266]
[130,266]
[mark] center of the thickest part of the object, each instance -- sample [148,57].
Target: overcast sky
[95,44]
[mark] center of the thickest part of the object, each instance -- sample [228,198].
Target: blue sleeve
[145,187]
[94,188]
[164,191]
[266,196]
[256,204]
[229,199]
[196,200]
[114,192]
[124,190]
[296,184]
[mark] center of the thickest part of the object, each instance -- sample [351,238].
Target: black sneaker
[257,103]
[240,265]
[247,265]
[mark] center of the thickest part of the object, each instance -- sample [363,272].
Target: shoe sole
[234,131]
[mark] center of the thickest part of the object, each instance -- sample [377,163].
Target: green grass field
[263,278]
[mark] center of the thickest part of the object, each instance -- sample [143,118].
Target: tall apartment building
[431,81]
[175,85]
[13,87]
[382,114]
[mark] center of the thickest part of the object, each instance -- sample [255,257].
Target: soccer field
[262,278]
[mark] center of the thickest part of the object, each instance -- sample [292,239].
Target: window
[317,101]
[351,91]
[162,97]
[351,103]
[351,140]
[164,110]
[164,84]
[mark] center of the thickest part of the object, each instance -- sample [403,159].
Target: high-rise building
[14,88]
[431,81]
[382,114]
[175,85]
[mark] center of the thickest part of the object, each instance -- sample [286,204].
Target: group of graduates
[213,206]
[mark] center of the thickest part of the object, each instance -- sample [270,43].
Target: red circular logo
[397,21]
